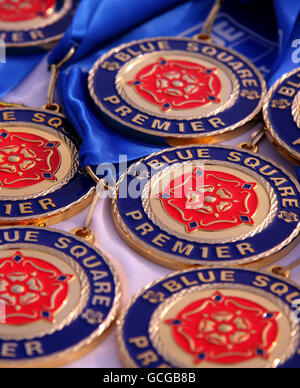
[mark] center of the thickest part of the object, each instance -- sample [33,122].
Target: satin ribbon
[100,144]
[98,22]
[95,138]
[15,69]
[99,25]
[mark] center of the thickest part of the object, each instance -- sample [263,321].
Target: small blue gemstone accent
[136,82]
[245,218]
[218,298]
[200,356]
[259,352]
[162,62]
[268,315]
[167,105]
[47,175]
[4,135]
[176,322]
[211,98]
[17,258]
[45,314]
[193,225]
[49,145]
[165,196]
[246,186]
[199,173]
[61,278]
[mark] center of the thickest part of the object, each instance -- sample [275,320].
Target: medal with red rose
[48,313]
[175,91]
[21,10]
[281,113]
[213,318]
[41,181]
[207,206]
[28,23]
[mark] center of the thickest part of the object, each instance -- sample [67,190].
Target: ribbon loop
[97,22]
[53,78]
[205,33]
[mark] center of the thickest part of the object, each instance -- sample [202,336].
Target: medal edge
[161,134]
[284,147]
[173,261]
[85,345]
[125,356]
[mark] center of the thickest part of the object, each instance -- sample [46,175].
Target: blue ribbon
[268,28]
[15,69]
[99,22]
[288,14]
[95,139]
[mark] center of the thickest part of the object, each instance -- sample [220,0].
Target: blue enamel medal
[208,205]
[41,181]
[175,91]
[33,23]
[282,115]
[58,296]
[213,318]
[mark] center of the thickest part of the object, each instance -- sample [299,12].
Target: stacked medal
[34,24]
[222,216]
[59,293]
[218,214]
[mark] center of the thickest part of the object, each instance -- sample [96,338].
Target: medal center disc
[16,15]
[23,10]
[40,291]
[177,85]
[208,202]
[33,162]
[223,328]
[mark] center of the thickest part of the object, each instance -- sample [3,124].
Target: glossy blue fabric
[15,69]
[98,22]
[100,139]
[102,24]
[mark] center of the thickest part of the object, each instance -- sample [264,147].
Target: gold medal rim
[175,261]
[281,146]
[129,362]
[42,42]
[55,216]
[212,137]
[85,346]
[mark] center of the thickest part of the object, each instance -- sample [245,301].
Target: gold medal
[177,91]
[59,295]
[34,23]
[40,178]
[213,318]
[207,205]
[41,181]
[282,115]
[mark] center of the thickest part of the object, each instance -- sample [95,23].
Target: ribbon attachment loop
[85,231]
[255,138]
[206,31]
[54,68]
